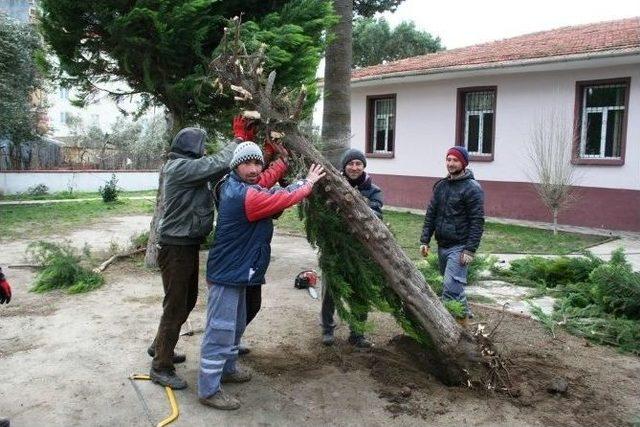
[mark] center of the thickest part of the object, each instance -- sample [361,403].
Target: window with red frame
[381,122]
[601,121]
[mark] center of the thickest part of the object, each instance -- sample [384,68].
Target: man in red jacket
[238,260]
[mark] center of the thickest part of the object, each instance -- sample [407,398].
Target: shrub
[38,190]
[110,190]
[597,300]
[61,269]
[617,290]
[534,270]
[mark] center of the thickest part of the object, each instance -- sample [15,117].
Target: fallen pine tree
[462,358]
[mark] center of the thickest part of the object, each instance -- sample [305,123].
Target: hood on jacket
[189,142]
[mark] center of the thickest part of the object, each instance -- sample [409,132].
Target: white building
[488,97]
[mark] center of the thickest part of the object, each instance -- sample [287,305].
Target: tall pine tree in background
[161,49]
[21,58]
[374,42]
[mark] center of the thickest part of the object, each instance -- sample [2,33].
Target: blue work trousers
[225,324]
[455,275]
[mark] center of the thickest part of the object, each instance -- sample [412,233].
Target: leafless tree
[550,168]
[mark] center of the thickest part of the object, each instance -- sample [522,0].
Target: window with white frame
[602,121]
[381,124]
[476,120]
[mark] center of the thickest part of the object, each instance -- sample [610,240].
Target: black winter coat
[371,192]
[455,213]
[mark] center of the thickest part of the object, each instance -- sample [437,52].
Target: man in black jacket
[456,216]
[353,166]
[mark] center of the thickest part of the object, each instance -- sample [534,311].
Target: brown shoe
[241,375]
[221,400]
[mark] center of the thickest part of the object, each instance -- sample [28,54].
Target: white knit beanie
[245,151]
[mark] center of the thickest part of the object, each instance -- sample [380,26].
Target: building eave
[555,63]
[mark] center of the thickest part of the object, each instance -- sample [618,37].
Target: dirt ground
[65,359]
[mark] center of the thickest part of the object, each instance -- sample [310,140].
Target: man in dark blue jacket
[238,259]
[456,216]
[353,166]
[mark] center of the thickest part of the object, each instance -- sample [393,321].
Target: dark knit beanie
[353,154]
[459,153]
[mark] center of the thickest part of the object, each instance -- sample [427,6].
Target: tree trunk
[336,109]
[151,256]
[555,222]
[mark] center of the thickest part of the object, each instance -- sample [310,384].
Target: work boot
[328,338]
[167,379]
[221,400]
[359,341]
[241,375]
[177,357]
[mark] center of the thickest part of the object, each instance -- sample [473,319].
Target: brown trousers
[180,268]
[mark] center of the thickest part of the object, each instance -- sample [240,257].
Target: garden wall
[12,182]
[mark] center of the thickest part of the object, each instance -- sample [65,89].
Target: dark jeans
[327,311]
[179,267]
[454,274]
[254,301]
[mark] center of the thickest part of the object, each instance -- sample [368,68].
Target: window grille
[602,119]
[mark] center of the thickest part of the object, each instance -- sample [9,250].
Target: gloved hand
[273,149]
[243,128]
[466,257]
[5,289]
[424,250]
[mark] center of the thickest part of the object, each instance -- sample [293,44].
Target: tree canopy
[20,79]
[374,41]
[161,48]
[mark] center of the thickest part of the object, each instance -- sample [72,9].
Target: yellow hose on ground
[175,412]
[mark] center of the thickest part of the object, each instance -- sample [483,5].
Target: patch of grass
[290,222]
[480,299]
[64,195]
[497,238]
[28,221]
[456,308]
[62,268]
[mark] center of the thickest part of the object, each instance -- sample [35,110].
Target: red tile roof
[612,36]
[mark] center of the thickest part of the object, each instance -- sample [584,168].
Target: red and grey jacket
[241,250]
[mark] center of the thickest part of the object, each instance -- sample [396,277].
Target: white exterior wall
[19,182]
[426,124]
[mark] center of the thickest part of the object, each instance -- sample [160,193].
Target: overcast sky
[464,23]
